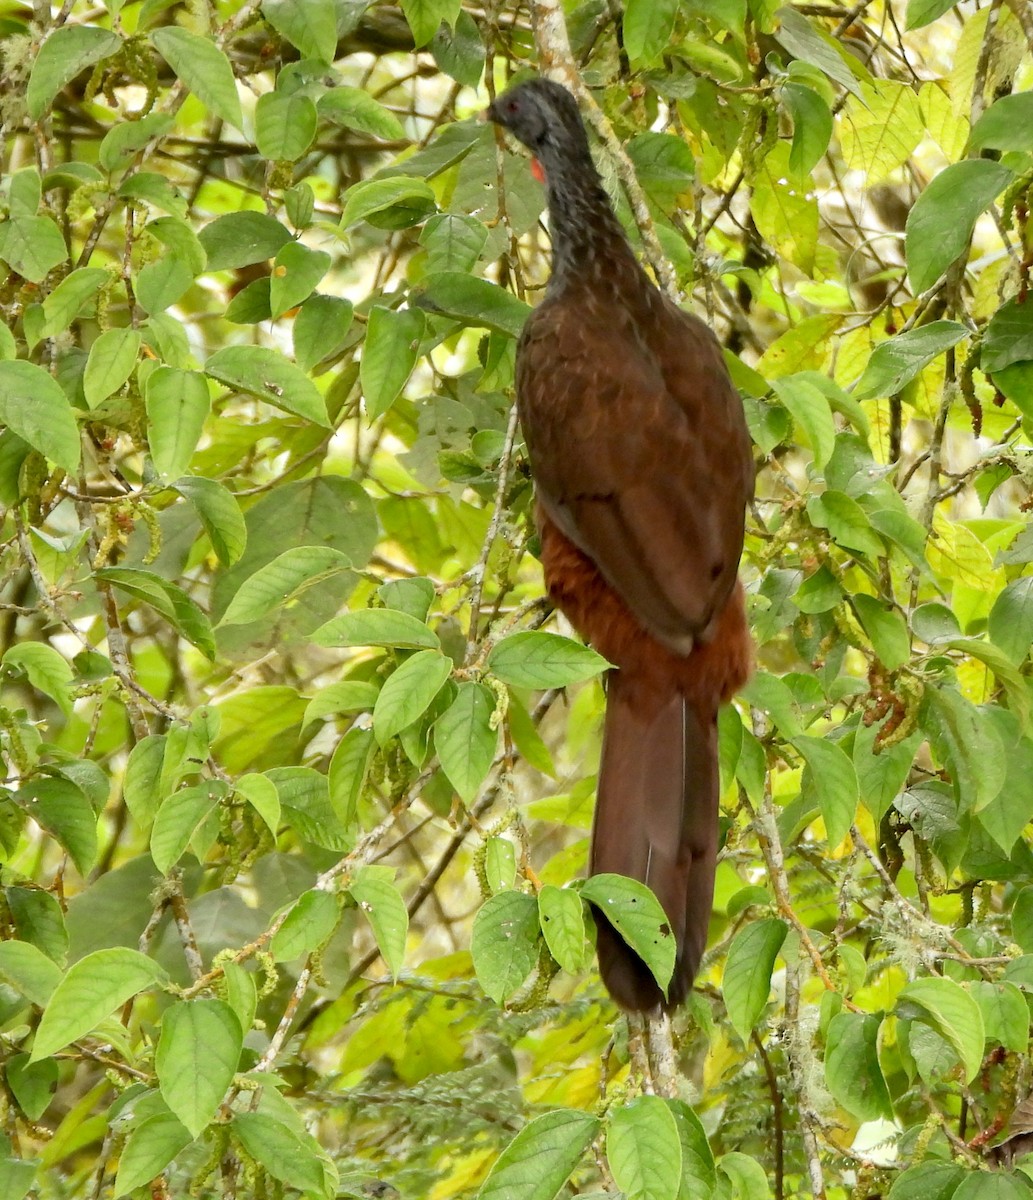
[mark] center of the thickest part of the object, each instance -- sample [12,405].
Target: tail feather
[656,821]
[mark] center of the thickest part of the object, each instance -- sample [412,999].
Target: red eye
[512,107]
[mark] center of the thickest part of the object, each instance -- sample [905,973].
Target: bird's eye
[512,107]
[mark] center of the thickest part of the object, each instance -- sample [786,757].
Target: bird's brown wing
[640,456]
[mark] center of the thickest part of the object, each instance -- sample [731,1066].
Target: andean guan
[643,471]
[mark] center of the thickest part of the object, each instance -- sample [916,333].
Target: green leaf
[309,925]
[500,864]
[1006,125]
[924,12]
[453,243]
[939,226]
[476,302]
[504,944]
[831,781]
[27,969]
[852,1069]
[540,1159]
[811,414]
[279,584]
[634,911]
[177,821]
[285,1154]
[377,627]
[699,1178]
[310,25]
[349,767]
[460,52]
[166,598]
[177,408]
[285,125]
[389,354]
[985,1185]
[63,810]
[664,165]
[241,239]
[747,979]
[895,363]
[648,26]
[424,17]
[33,1084]
[196,1058]
[296,272]
[34,406]
[846,521]
[927,1181]
[1005,1014]
[948,1009]
[1011,619]
[644,1150]
[747,1176]
[148,1150]
[355,109]
[265,373]
[46,670]
[320,329]
[219,513]
[32,246]
[814,46]
[70,297]
[383,906]
[94,988]
[260,792]
[812,126]
[466,739]
[112,360]
[68,50]
[1008,338]
[203,68]
[397,202]
[408,692]
[561,913]
[886,629]
[349,695]
[543,660]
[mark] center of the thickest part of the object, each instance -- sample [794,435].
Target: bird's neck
[587,238]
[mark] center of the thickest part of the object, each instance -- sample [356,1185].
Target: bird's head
[544,116]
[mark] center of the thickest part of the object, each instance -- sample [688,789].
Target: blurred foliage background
[298,767]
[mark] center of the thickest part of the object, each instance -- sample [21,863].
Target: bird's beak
[488,114]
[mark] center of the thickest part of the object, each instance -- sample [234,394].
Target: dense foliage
[298,765]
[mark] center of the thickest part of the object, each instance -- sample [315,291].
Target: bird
[643,471]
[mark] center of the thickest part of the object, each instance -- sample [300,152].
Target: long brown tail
[656,819]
